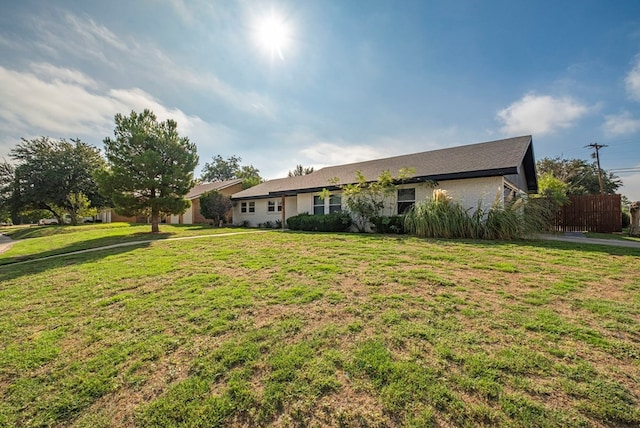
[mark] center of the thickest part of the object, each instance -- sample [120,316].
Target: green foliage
[388,224]
[214,205]
[366,199]
[445,218]
[150,167]
[52,175]
[334,222]
[580,176]
[222,170]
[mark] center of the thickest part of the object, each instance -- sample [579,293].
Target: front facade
[475,174]
[192,215]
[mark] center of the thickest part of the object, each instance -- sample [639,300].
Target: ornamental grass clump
[442,217]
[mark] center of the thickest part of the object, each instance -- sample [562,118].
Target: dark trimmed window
[243,207]
[318,205]
[406,199]
[335,204]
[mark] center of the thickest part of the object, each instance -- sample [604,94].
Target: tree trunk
[155,220]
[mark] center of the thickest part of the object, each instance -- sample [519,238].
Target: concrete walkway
[579,238]
[6,242]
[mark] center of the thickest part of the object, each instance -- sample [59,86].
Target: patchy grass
[35,242]
[296,329]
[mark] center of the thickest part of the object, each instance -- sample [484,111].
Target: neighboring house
[470,174]
[192,215]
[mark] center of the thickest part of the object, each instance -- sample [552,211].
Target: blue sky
[344,81]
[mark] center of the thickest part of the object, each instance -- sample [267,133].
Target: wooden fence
[591,213]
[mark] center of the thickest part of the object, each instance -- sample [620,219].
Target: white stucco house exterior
[470,174]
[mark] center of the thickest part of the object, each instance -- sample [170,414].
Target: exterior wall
[469,192]
[193,214]
[473,190]
[261,213]
[196,215]
[110,216]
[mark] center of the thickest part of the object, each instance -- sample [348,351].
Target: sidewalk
[579,238]
[5,243]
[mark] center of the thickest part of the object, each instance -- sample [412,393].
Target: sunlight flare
[273,34]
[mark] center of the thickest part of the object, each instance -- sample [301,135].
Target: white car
[46,221]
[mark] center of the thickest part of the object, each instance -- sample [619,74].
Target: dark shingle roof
[199,189]
[494,158]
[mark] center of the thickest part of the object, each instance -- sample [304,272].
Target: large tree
[220,170]
[150,167]
[580,175]
[52,175]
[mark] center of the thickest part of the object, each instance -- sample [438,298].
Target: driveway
[579,238]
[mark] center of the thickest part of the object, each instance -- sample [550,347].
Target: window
[247,207]
[335,204]
[272,206]
[406,199]
[318,205]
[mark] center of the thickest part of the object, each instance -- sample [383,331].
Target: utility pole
[597,147]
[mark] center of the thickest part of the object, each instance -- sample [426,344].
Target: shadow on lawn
[13,267]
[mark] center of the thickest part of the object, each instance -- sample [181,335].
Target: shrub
[334,222]
[442,217]
[389,224]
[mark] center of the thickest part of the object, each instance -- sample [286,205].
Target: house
[192,215]
[470,174]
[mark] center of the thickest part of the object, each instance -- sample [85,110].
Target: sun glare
[273,34]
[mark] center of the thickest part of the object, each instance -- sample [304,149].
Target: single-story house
[469,174]
[192,215]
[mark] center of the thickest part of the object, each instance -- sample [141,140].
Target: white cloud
[83,38]
[632,81]
[67,104]
[631,186]
[623,123]
[327,153]
[540,114]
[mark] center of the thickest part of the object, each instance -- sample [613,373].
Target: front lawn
[304,329]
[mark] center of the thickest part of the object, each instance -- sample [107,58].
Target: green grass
[43,241]
[312,329]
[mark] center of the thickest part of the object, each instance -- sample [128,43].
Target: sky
[327,82]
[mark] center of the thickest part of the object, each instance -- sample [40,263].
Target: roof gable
[494,158]
[201,188]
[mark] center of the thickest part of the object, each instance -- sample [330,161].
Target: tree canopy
[300,170]
[52,175]
[580,175]
[221,170]
[150,167]
[214,205]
